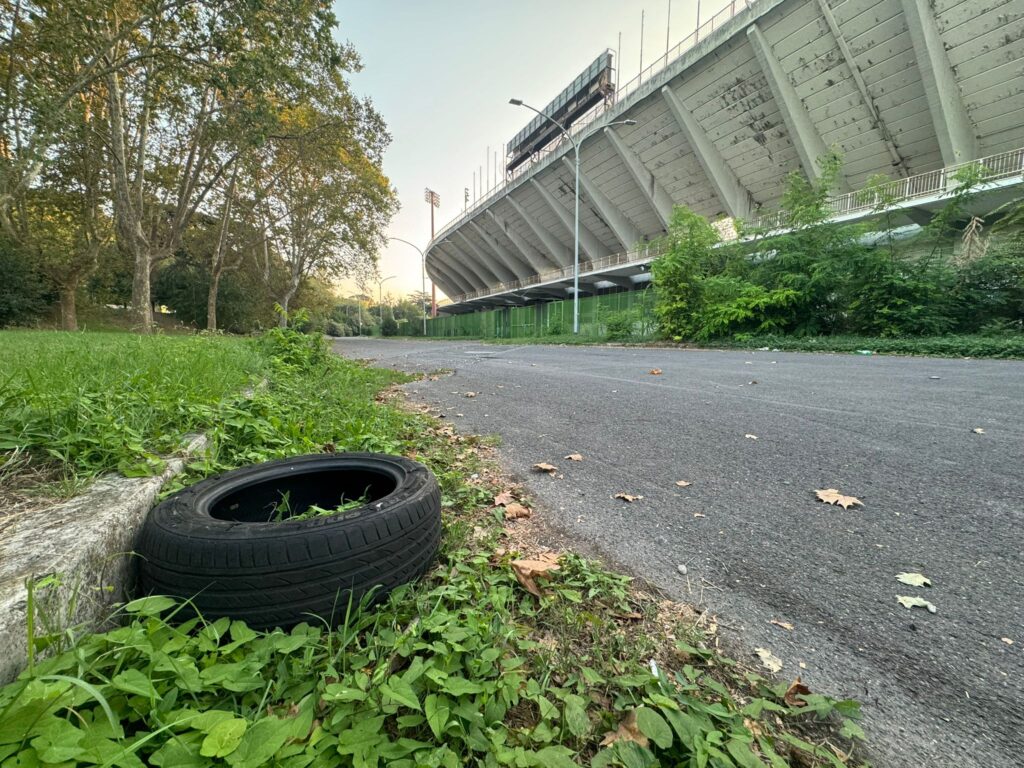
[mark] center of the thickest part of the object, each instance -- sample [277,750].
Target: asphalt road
[940,689]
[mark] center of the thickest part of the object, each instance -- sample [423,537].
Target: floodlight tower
[434,201]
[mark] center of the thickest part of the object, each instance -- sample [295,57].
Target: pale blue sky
[441,73]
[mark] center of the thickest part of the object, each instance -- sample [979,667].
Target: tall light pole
[380,299]
[576,233]
[423,276]
[434,200]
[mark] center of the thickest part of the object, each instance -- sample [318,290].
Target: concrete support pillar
[623,228]
[844,48]
[494,264]
[441,273]
[735,198]
[540,262]
[516,263]
[474,273]
[808,144]
[589,242]
[953,125]
[558,251]
[656,195]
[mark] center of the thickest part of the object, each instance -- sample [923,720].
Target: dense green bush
[821,278]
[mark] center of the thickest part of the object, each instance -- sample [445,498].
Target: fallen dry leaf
[915,602]
[655,371]
[628,730]
[769,660]
[832,496]
[978,431]
[784,624]
[751,437]
[516,511]
[471,394]
[914,579]
[574,457]
[528,571]
[627,497]
[683,483]
[796,688]
[504,498]
[545,467]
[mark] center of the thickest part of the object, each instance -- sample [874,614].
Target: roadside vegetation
[820,279]
[469,666]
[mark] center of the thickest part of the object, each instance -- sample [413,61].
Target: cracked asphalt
[942,689]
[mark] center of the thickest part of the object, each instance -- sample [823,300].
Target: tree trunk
[68,312]
[142,310]
[211,301]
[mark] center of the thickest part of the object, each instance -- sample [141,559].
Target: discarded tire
[217,543]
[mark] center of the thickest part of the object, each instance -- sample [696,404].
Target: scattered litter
[934,377]
[784,624]
[471,394]
[978,431]
[655,371]
[699,514]
[1006,640]
[751,437]
[865,352]
[681,569]
[683,483]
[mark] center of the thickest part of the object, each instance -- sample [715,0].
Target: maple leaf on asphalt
[832,496]
[915,602]
[914,579]
[627,497]
[769,660]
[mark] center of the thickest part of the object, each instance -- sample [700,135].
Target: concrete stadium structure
[906,88]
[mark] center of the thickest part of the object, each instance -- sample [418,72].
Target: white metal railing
[894,193]
[640,255]
[590,117]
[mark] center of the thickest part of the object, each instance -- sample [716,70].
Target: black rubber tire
[212,542]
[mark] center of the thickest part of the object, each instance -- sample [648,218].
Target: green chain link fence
[622,316]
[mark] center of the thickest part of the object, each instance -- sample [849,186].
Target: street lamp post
[576,228]
[380,299]
[423,277]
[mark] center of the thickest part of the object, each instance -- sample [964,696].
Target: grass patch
[464,667]
[1008,346]
[103,401]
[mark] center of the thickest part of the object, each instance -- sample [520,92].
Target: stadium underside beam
[654,193]
[539,261]
[623,229]
[735,198]
[589,243]
[949,116]
[558,251]
[808,144]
